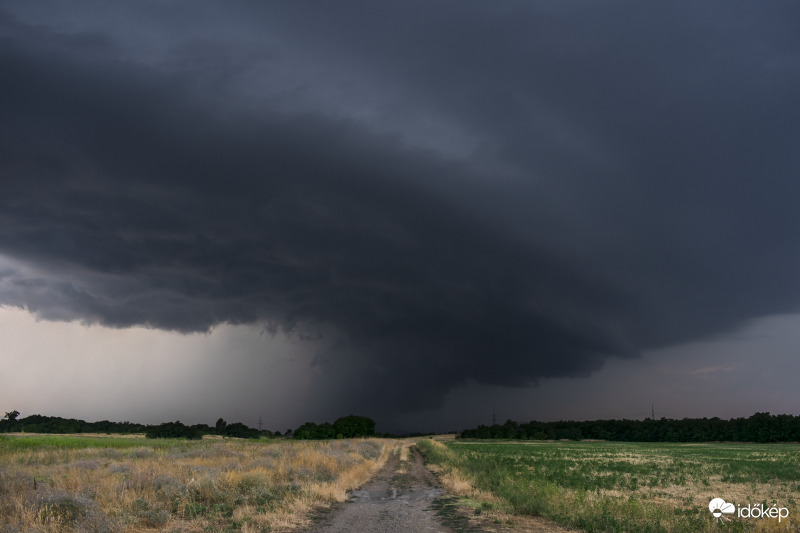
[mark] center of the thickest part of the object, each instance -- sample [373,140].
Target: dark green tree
[172,430]
[354,426]
[239,430]
[306,431]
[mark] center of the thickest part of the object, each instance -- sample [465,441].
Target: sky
[435,214]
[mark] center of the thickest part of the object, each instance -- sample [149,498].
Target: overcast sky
[416,211]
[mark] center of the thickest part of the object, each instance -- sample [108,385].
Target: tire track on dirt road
[406,497]
[398,499]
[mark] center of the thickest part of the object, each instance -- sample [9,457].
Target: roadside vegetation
[114,484]
[611,486]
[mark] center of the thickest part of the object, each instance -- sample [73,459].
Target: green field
[636,487]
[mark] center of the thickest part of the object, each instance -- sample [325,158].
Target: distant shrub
[172,430]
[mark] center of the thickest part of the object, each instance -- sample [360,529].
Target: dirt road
[406,497]
[398,499]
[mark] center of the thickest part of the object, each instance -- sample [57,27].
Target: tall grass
[70,484]
[646,487]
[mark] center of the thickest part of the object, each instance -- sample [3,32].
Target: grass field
[634,487]
[72,483]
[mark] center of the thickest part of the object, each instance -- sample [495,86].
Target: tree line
[760,427]
[346,427]
[11,423]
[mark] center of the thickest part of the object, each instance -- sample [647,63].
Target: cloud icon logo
[718,507]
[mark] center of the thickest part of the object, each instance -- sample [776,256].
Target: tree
[172,430]
[306,431]
[354,426]
[11,416]
[220,426]
[239,430]
[345,427]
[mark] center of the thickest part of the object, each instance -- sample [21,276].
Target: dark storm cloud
[450,192]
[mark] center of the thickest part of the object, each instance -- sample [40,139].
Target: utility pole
[652,412]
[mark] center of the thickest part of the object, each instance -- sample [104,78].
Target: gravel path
[398,499]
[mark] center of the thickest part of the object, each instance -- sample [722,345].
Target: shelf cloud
[440,193]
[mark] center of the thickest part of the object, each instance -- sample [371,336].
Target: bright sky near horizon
[149,376]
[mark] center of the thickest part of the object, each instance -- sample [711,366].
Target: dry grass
[404,451]
[177,485]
